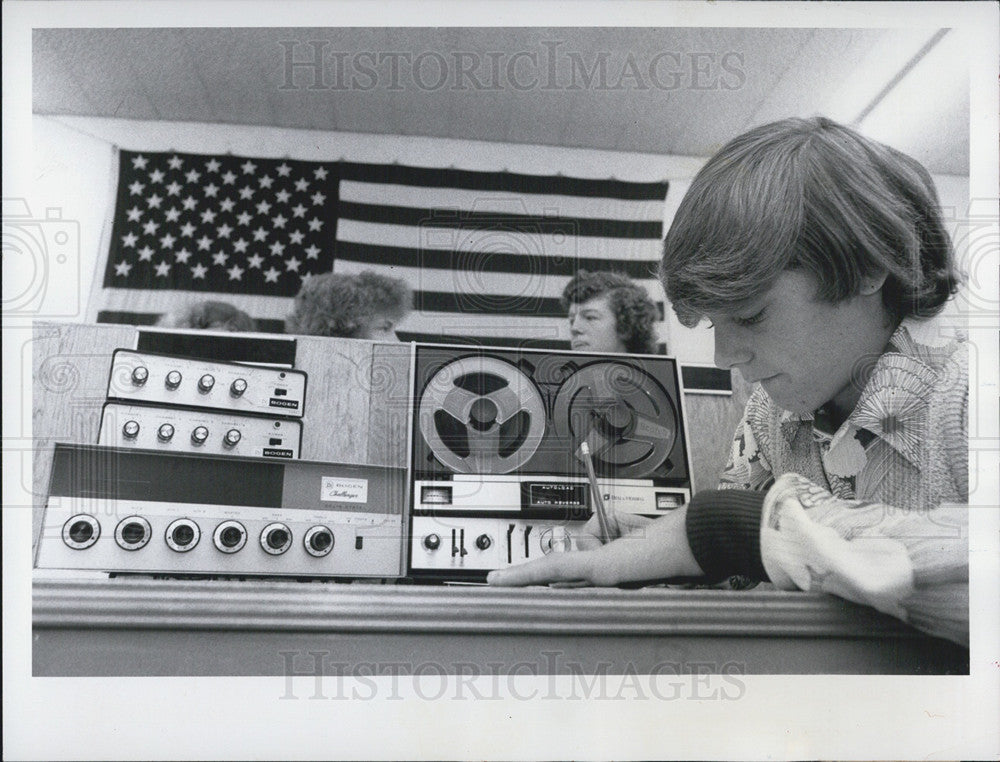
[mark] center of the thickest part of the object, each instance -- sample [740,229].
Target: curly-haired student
[608,312]
[365,305]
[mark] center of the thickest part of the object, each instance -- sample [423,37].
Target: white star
[282,196]
[263,207]
[271,275]
[208,216]
[187,229]
[320,173]
[122,268]
[292,264]
[301,184]
[260,234]
[315,224]
[227,205]
[174,189]
[145,254]
[192,176]
[255,261]
[139,162]
[223,231]
[173,214]
[128,240]
[243,218]
[134,214]
[219,258]
[183,256]
[204,243]
[279,221]
[175,162]
[299,211]
[318,198]
[296,236]
[198,271]
[277,248]
[235,272]
[150,227]
[248,167]
[136,188]
[212,166]
[284,170]
[246,192]
[312,252]
[156,176]
[211,190]
[167,241]
[305,278]
[162,270]
[240,246]
[154,201]
[266,182]
[189,203]
[229,178]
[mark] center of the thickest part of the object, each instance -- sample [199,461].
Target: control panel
[193,430]
[148,378]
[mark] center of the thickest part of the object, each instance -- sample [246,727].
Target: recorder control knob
[432,542]
[139,376]
[205,383]
[131,429]
[199,435]
[318,541]
[165,433]
[232,438]
[276,538]
[173,379]
[483,542]
[238,386]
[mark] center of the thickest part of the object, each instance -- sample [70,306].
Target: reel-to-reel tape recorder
[497,472]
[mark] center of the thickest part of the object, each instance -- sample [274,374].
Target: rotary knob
[205,383]
[275,538]
[318,541]
[432,542]
[139,376]
[232,438]
[238,386]
[165,433]
[173,379]
[199,435]
[483,542]
[131,429]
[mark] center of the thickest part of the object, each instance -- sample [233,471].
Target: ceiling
[678,91]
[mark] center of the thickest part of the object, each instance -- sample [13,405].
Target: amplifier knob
[81,531]
[238,386]
[483,542]
[133,533]
[165,433]
[276,538]
[173,379]
[182,535]
[131,429]
[139,376]
[205,383]
[432,542]
[230,536]
[232,438]
[199,435]
[318,541]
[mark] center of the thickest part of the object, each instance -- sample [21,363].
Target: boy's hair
[343,305]
[635,313]
[814,195]
[209,315]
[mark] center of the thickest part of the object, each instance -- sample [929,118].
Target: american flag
[486,253]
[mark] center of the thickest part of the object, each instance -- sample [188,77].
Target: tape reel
[481,415]
[624,414]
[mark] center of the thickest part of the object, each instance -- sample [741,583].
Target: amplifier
[121,510]
[149,378]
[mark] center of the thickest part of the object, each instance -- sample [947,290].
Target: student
[209,316]
[821,260]
[362,306]
[609,313]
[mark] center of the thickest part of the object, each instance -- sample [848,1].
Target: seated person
[362,306]
[209,316]
[609,313]
[821,259]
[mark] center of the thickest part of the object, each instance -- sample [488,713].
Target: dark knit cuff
[723,530]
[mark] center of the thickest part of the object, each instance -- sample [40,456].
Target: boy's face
[379,328]
[593,328]
[804,352]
